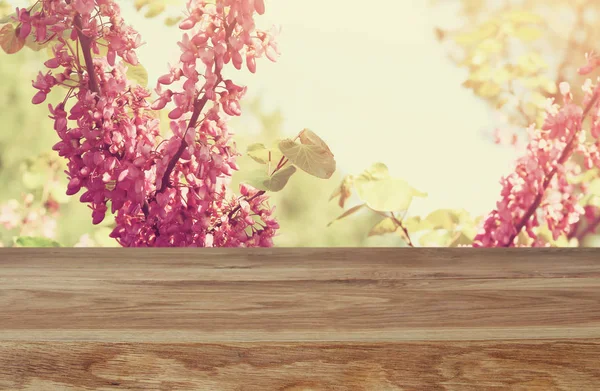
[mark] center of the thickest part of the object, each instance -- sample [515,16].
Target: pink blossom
[537,191]
[170,193]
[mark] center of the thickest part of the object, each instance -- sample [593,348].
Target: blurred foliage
[302,208]
[390,199]
[516,53]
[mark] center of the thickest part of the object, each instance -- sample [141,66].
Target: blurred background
[439,91]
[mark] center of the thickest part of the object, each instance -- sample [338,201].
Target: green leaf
[385,226]
[138,74]
[386,195]
[415,224]
[381,192]
[172,21]
[31,241]
[274,183]
[9,39]
[278,180]
[460,239]
[443,219]
[312,155]
[347,213]
[435,239]
[259,153]
[376,172]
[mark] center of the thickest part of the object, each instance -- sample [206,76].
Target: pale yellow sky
[370,78]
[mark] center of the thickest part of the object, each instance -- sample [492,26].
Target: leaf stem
[404,229]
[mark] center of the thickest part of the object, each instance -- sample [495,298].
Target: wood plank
[299,319]
[274,294]
[261,310]
[299,263]
[451,366]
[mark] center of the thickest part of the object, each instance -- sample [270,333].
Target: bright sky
[373,82]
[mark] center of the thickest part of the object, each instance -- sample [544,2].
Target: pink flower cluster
[172,193]
[538,192]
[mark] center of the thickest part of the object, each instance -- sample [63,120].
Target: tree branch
[87,55]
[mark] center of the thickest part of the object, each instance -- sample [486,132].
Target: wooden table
[299,319]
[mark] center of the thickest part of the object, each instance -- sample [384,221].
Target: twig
[403,228]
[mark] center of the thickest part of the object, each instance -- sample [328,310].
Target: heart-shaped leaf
[275,182]
[385,226]
[376,172]
[258,152]
[9,39]
[311,155]
[383,193]
[386,195]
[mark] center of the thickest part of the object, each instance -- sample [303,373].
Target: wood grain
[299,319]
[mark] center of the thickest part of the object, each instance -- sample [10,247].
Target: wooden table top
[299,319]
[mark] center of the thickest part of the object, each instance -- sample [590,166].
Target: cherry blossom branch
[87,55]
[119,163]
[198,107]
[562,159]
